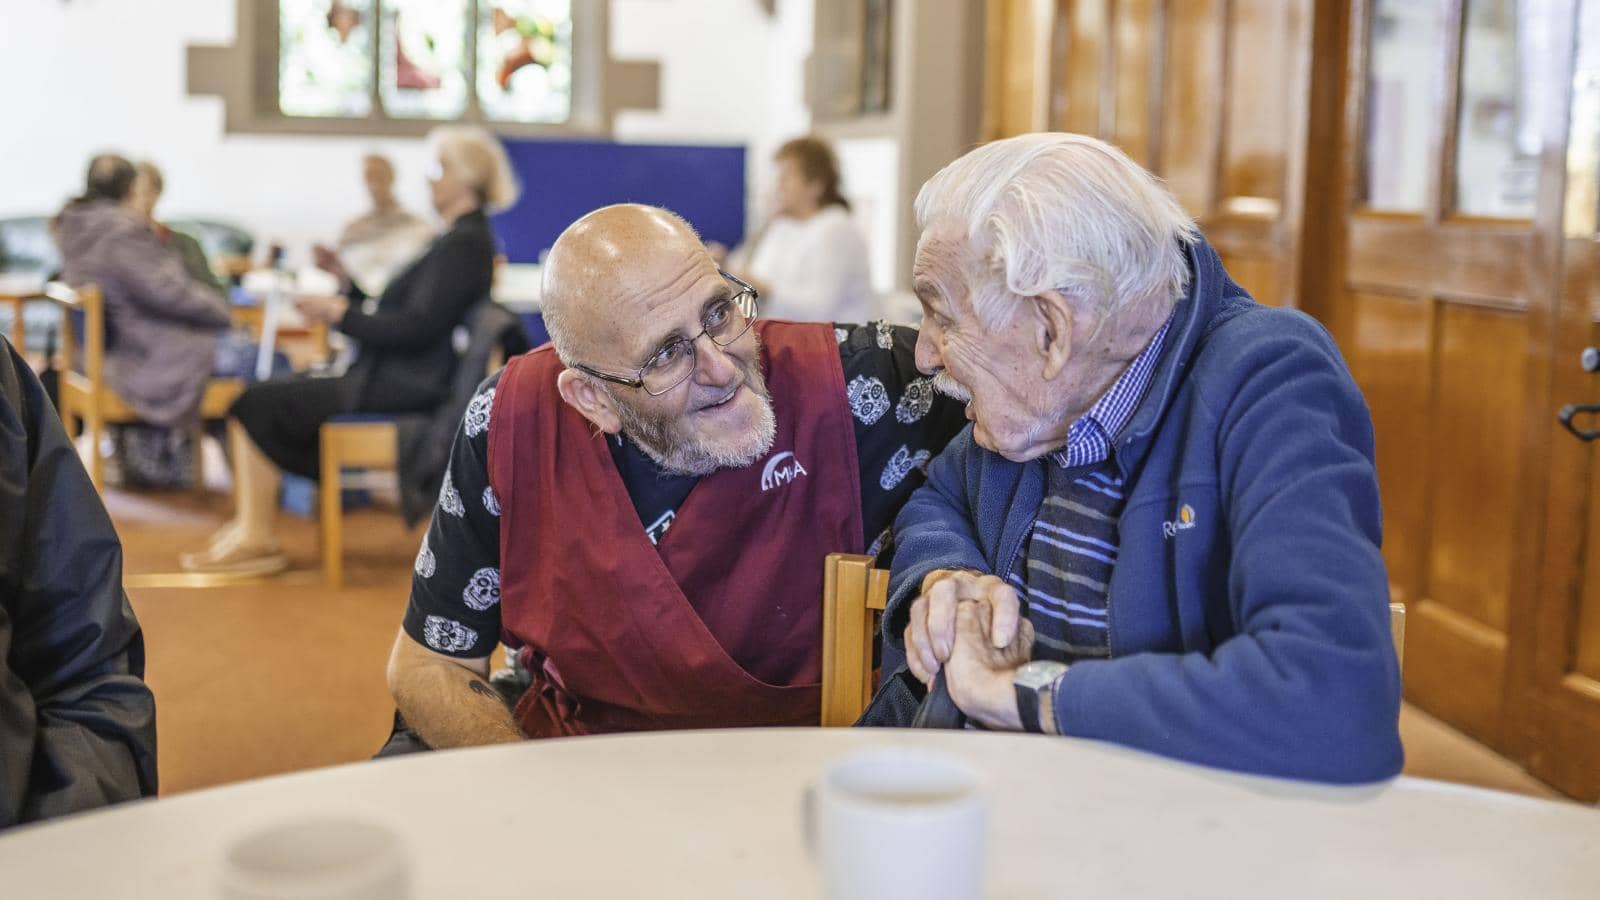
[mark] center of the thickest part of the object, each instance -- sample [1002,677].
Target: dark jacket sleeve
[77,723]
[450,277]
[1307,686]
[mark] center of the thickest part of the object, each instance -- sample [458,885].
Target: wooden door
[1454,191]
[1220,97]
[1554,699]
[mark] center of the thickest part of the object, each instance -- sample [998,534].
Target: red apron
[604,616]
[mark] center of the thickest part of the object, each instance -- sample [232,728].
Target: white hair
[478,155]
[1064,212]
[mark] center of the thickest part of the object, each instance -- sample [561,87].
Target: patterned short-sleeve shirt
[900,423]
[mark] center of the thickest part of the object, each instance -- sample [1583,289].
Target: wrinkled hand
[930,634]
[321,308]
[980,670]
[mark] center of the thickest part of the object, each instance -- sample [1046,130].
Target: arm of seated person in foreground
[77,723]
[448,701]
[453,276]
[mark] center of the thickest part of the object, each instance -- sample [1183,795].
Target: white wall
[94,75]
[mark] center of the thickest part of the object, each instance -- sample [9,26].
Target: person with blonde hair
[405,358]
[1162,529]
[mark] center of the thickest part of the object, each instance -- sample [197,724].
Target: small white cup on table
[899,823]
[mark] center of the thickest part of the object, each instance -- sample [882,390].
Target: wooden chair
[355,442]
[361,441]
[85,397]
[853,598]
[18,301]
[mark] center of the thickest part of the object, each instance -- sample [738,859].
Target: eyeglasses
[724,322]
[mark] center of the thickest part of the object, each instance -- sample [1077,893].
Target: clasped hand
[970,625]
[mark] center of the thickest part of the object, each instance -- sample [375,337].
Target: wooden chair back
[853,598]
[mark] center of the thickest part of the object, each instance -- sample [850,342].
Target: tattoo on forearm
[481,688]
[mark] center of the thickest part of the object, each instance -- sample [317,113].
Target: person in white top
[810,262]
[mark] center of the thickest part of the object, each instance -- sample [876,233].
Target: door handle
[1572,411]
[1590,361]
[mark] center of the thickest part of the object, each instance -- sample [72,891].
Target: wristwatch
[1036,684]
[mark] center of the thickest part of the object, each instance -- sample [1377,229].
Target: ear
[1054,317]
[585,396]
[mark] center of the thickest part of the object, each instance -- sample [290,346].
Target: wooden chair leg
[328,495]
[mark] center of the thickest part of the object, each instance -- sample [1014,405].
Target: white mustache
[944,384]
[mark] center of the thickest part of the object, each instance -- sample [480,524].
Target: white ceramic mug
[317,859]
[899,823]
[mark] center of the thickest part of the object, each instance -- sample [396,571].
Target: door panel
[1479,397]
[1391,356]
[1136,70]
[1189,112]
[1261,62]
[1453,184]
[1256,274]
[1557,679]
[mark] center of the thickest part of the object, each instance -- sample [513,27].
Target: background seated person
[153,455]
[405,357]
[148,185]
[810,260]
[667,571]
[161,322]
[77,724]
[375,246]
[1174,485]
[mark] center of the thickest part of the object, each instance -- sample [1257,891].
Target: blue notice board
[562,180]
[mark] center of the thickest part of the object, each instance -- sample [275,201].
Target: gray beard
[662,438]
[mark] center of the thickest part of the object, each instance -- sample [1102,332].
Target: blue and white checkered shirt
[1089,438]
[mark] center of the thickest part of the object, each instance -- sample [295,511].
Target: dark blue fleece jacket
[1249,605]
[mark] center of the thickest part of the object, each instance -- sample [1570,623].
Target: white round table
[717,814]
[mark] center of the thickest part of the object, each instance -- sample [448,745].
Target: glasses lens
[670,366]
[734,319]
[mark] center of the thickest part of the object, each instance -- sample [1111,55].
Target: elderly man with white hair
[1162,529]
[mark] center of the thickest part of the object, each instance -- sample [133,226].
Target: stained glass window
[325,57]
[422,60]
[525,60]
[501,60]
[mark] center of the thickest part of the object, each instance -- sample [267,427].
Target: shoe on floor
[237,561]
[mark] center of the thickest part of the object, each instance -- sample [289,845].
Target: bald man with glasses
[641,507]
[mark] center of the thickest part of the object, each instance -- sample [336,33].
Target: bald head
[612,265]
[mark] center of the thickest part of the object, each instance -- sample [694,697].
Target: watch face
[1038,673]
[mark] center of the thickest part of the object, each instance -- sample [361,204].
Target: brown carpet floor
[259,678]
[256,679]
